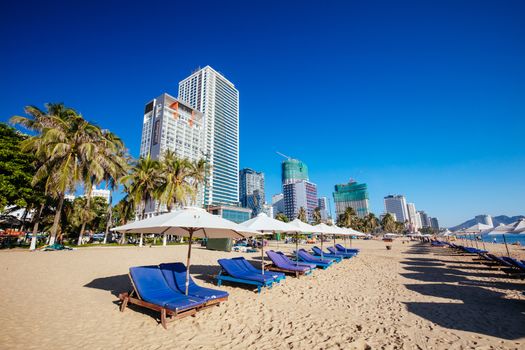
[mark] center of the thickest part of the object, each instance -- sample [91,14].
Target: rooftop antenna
[283,155]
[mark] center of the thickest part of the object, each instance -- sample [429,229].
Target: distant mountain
[501,219]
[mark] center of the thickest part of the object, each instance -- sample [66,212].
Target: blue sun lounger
[233,272]
[277,276]
[297,262]
[515,263]
[151,290]
[309,258]
[344,255]
[284,265]
[175,276]
[340,248]
[317,252]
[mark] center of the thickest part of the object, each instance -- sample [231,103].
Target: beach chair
[277,276]
[150,290]
[282,265]
[309,258]
[340,248]
[232,271]
[296,262]
[518,265]
[344,255]
[317,252]
[175,275]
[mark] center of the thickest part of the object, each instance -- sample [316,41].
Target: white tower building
[397,205]
[217,98]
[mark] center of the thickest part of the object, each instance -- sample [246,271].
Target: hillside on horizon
[496,220]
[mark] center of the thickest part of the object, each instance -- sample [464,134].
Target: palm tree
[198,172]
[143,182]
[175,187]
[301,214]
[317,216]
[124,210]
[62,146]
[282,217]
[388,223]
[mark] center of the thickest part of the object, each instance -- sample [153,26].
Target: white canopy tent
[188,222]
[265,224]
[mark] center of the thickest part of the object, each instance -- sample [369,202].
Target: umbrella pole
[262,254]
[506,247]
[188,263]
[296,248]
[322,253]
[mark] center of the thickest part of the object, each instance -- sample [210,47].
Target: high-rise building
[424,218]
[293,170]
[278,204]
[397,205]
[434,223]
[251,190]
[412,217]
[170,124]
[323,207]
[100,192]
[217,98]
[351,195]
[485,220]
[300,194]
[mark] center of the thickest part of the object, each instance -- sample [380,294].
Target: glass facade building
[251,190]
[235,214]
[217,98]
[353,195]
[293,170]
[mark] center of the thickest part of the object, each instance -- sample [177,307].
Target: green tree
[301,215]
[388,223]
[282,217]
[370,223]
[175,187]
[317,216]
[144,182]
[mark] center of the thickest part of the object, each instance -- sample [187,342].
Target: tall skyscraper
[351,195]
[278,204]
[397,205]
[297,190]
[424,218]
[412,216]
[170,124]
[217,98]
[251,190]
[434,223]
[300,194]
[323,207]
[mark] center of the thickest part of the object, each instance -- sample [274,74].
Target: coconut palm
[198,171]
[63,145]
[317,216]
[282,217]
[301,214]
[388,223]
[144,182]
[175,188]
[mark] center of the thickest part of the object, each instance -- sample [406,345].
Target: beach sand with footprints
[411,297]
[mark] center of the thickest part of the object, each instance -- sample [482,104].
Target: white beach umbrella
[502,230]
[188,222]
[520,226]
[329,230]
[301,227]
[265,224]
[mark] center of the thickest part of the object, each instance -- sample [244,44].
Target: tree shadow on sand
[481,311]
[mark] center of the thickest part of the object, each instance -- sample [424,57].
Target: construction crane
[283,155]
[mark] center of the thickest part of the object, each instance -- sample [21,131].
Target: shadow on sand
[470,307]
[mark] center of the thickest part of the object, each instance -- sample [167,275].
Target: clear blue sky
[421,98]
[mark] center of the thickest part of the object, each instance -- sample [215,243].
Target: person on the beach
[495,240]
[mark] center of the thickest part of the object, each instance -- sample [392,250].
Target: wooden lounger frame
[166,315]
[272,267]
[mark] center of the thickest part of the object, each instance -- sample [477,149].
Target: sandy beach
[412,297]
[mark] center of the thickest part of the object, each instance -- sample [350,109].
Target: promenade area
[412,297]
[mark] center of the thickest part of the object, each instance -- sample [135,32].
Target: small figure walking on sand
[495,240]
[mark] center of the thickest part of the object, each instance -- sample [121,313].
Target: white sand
[408,298]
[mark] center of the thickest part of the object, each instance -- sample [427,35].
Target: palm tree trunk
[56,220]
[141,242]
[165,240]
[88,205]
[34,237]
[110,217]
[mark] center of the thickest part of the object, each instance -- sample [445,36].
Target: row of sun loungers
[163,288]
[506,264]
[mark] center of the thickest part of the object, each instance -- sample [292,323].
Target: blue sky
[422,98]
